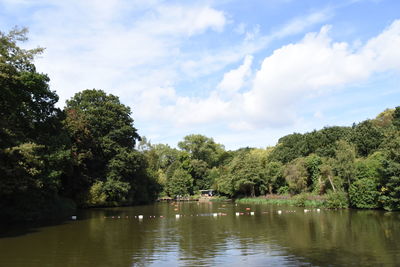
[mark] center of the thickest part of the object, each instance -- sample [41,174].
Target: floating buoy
[140,217]
[237,213]
[177,216]
[73,217]
[248,209]
[161,216]
[306,210]
[252,213]
[241,213]
[215,214]
[279,212]
[318,210]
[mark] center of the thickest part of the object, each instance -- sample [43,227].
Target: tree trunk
[330,180]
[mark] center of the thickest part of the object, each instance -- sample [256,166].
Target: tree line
[357,166]
[89,153]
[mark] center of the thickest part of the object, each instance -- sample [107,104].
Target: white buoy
[140,217]
[279,212]
[73,217]
[306,210]
[215,214]
[177,216]
[237,213]
[252,213]
[318,210]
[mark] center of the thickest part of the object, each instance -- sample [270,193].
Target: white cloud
[312,67]
[299,24]
[120,45]
[234,79]
[173,20]
[287,78]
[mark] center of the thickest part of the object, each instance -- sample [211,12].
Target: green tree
[313,164]
[296,175]
[367,138]
[180,184]
[390,176]
[103,141]
[363,194]
[344,162]
[273,175]
[33,154]
[203,148]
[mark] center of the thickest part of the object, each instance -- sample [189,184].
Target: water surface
[114,237]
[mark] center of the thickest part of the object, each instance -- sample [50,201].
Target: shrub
[336,200]
[283,190]
[363,194]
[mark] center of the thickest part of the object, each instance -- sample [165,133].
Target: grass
[302,200]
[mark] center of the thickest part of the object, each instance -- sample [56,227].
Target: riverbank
[333,200]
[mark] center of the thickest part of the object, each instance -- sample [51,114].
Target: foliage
[296,175]
[180,184]
[336,200]
[344,162]
[366,137]
[202,148]
[390,177]
[273,175]
[283,190]
[313,164]
[33,148]
[363,194]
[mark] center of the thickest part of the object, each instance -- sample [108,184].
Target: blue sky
[242,72]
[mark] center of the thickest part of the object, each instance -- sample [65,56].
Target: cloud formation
[287,78]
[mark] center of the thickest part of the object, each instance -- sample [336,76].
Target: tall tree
[203,148]
[32,149]
[103,141]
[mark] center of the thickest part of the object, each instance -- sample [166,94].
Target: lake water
[207,234]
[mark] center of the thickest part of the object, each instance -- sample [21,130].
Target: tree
[103,141]
[198,169]
[344,162]
[366,137]
[390,176]
[33,154]
[296,175]
[202,148]
[313,164]
[180,184]
[273,173]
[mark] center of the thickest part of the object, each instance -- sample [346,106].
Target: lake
[207,234]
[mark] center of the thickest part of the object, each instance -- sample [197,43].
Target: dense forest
[89,154]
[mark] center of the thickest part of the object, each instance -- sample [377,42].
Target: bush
[363,194]
[283,190]
[336,200]
[300,200]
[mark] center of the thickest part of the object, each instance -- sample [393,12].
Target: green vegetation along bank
[89,154]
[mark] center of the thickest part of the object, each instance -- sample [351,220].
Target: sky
[242,72]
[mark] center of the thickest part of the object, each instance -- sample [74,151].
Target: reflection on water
[292,238]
